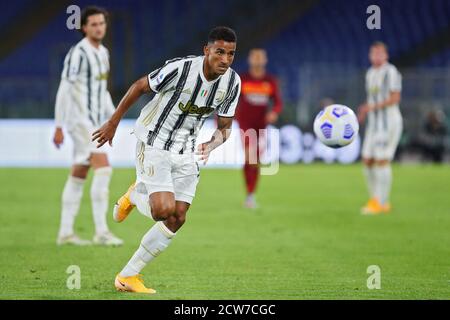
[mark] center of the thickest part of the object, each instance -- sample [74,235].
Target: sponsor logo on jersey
[374,90]
[193,109]
[102,76]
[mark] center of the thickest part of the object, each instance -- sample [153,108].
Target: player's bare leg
[100,198]
[71,198]
[170,216]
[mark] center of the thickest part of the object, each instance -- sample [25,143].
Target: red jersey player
[259,105]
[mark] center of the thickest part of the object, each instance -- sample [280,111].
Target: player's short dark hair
[90,11]
[222,33]
[380,44]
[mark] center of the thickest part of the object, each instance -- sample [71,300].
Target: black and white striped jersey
[184,99]
[380,82]
[83,96]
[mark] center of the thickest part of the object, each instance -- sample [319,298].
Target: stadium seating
[330,33]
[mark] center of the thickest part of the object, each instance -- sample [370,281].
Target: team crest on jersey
[220,95]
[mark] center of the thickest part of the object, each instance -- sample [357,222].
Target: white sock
[369,172]
[71,198]
[140,199]
[100,197]
[384,182]
[153,243]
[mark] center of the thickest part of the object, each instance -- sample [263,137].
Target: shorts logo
[150,171]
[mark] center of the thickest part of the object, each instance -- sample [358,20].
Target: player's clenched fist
[105,134]
[204,149]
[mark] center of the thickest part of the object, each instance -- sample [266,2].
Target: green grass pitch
[307,241]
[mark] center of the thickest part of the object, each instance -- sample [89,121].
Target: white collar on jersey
[384,65]
[202,75]
[86,41]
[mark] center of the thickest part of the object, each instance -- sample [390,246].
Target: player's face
[257,58]
[95,27]
[219,56]
[378,55]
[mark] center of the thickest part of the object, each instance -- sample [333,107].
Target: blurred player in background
[187,91]
[83,103]
[384,127]
[259,105]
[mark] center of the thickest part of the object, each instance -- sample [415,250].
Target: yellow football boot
[373,207]
[132,284]
[123,206]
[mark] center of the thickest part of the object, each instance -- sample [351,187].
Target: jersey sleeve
[394,80]
[62,103]
[162,78]
[228,107]
[73,64]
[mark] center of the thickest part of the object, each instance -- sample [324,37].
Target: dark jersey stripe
[155,73]
[195,139]
[175,96]
[89,86]
[232,97]
[230,85]
[167,80]
[212,94]
[184,114]
[209,102]
[68,62]
[79,64]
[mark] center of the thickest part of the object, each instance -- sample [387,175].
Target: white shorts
[83,146]
[381,144]
[160,170]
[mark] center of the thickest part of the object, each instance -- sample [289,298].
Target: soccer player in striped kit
[187,91]
[259,105]
[383,129]
[83,103]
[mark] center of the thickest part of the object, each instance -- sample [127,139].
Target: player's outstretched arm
[221,134]
[107,131]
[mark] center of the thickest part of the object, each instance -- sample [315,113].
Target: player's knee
[180,219]
[382,163]
[163,211]
[176,221]
[368,162]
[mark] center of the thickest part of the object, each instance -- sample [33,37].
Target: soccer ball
[336,126]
